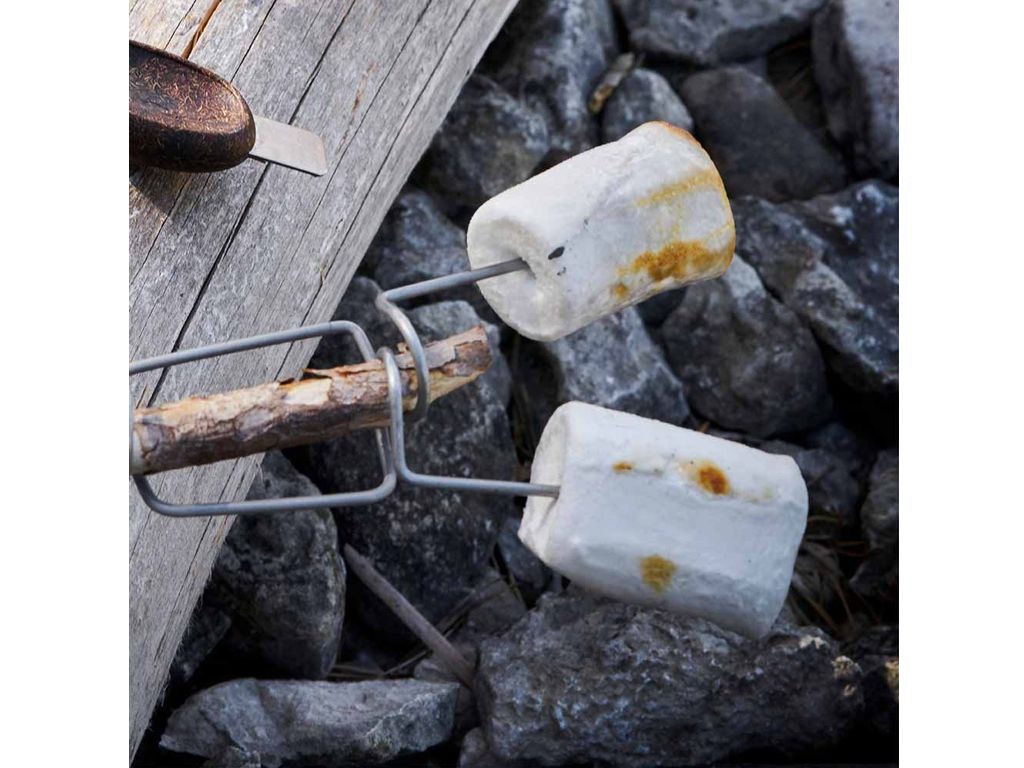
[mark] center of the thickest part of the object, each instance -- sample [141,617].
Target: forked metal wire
[390,441]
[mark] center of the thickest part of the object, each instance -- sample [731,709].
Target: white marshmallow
[605,229]
[662,516]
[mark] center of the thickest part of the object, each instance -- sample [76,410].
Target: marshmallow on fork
[603,230]
[654,514]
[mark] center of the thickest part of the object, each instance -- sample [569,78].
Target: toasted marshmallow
[654,514]
[605,229]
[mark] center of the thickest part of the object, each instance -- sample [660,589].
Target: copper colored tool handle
[182,117]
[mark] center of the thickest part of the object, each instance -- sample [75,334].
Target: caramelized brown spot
[708,475]
[704,178]
[712,479]
[621,291]
[623,466]
[681,259]
[680,132]
[657,572]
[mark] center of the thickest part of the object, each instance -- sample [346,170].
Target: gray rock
[880,515]
[584,679]
[330,724]
[281,580]
[877,653]
[757,143]
[491,609]
[833,487]
[489,142]
[234,757]
[535,391]
[654,310]
[643,96]
[614,363]
[559,49]
[417,242]
[451,317]
[475,752]
[432,545]
[877,582]
[834,260]
[712,32]
[856,63]
[877,578]
[854,449]
[206,628]
[495,608]
[356,305]
[530,573]
[746,361]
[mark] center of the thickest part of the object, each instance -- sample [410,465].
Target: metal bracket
[259,506]
[390,441]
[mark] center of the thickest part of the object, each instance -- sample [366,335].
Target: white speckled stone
[603,230]
[657,515]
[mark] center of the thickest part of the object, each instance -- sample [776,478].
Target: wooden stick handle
[413,619]
[281,414]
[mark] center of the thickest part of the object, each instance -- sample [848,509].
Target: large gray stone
[834,488]
[746,361]
[755,139]
[489,142]
[557,52]
[415,242]
[656,309]
[530,574]
[234,757]
[206,628]
[583,679]
[834,260]
[857,66]
[280,579]
[712,32]
[857,451]
[877,653]
[491,609]
[643,96]
[614,363]
[314,723]
[877,578]
[432,545]
[880,515]
[451,317]
[475,753]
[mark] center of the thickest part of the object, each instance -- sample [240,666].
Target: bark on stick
[281,414]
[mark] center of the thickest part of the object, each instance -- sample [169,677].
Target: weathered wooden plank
[259,247]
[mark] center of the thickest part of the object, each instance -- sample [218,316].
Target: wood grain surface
[259,247]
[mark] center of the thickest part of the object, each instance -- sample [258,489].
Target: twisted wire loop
[385,302]
[390,440]
[397,429]
[260,506]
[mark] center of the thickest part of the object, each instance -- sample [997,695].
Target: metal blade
[290,146]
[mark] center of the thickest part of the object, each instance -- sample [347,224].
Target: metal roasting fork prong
[390,440]
[259,506]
